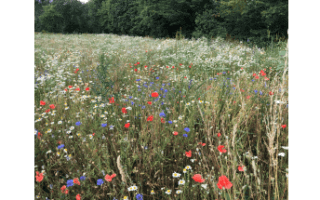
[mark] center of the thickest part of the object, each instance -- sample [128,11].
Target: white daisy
[176,175]
[181,182]
[178,191]
[168,192]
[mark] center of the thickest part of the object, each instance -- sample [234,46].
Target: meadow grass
[102,117]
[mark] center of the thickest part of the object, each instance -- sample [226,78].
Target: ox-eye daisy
[181,182]
[168,192]
[176,175]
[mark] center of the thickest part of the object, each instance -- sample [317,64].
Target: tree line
[244,20]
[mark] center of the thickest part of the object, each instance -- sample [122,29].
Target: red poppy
[138,63]
[218,134]
[167,66]
[145,66]
[256,77]
[78,197]
[149,102]
[180,64]
[284,126]
[70,86]
[124,111]
[150,118]
[242,90]
[175,133]
[224,182]
[162,120]
[52,106]
[77,89]
[39,135]
[221,149]
[135,70]
[241,68]
[270,93]
[254,74]
[93,134]
[111,100]
[66,90]
[188,153]
[240,168]
[109,178]
[198,178]
[63,189]
[76,181]
[248,97]
[135,64]
[266,78]
[42,103]
[87,89]
[190,66]
[154,94]
[203,144]
[48,110]
[39,177]
[172,67]
[127,125]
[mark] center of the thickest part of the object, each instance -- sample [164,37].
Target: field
[121,117]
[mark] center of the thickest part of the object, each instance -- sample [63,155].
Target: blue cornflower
[151,83]
[157,78]
[61,146]
[143,107]
[162,114]
[210,79]
[82,178]
[138,79]
[162,103]
[228,78]
[139,90]
[161,89]
[168,83]
[248,40]
[234,88]
[99,182]
[187,129]
[51,186]
[139,197]
[255,91]
[252,80]
[132,103]
[170,122]
[69,183]
[163,84]
[164,96]
[261,93]
[215,78]
[185,135]
[78,123]
[223,72]
[165,90]
[104,125]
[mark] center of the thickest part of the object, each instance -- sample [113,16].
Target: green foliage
[51,19]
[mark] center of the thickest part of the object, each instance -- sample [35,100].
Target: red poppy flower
[188,153]
[93,134]
[270,93]
[172,67]
[124,111]
[175,133]
[221,149]
[135,64]
[240,168]
[198,178]
[111,100]
[66,90]
[145,66]
[78,197]
[149,102]
[242,90]
[76,181]
[248,97]
[77,89]
[39,135]
[256,77]
[138,63]
[224,182]
[154,94]
[284,126]
[127,125]
[167,66]
[203,144]
[241,68]
[87,89]
[162,120]
[266,78]
[48,110]
[39,177]
[135,70]
[109,178]
[150,118]
[254,74]
[52,106]
[63,189]
[42,103]
[218,134]
[190,66]
[180,64]
[70,86]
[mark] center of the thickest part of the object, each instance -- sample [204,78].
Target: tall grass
[207,87]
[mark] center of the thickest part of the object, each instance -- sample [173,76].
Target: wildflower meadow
[123,117]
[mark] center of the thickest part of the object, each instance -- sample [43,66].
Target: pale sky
[84,1]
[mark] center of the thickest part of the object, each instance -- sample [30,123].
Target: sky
[84,1]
